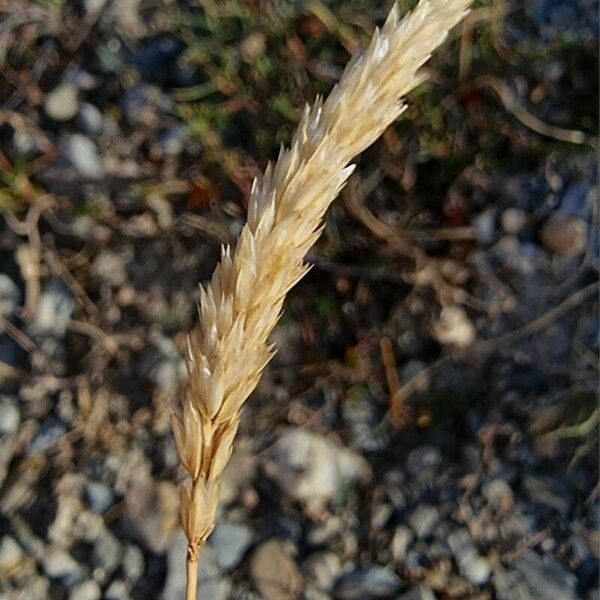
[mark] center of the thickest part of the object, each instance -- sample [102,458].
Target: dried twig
[397,409]
[513,106]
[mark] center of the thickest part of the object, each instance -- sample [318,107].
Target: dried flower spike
[241,305]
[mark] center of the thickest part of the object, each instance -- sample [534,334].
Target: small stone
[61,103]
[210,579]
[107,554]
[229,541]
[176,577]
[109,267]
[36,588]
[50,432]
[99,495]
[547,578]
[162,364]
[54,310]
[10,417]
[172,141]
[88,590]
[418,593]
[133,564]
[308,466]
[484,225]
[361,417]
[499,494]
[11,554]
[410,370]
[10,296]
[361,584]
[423,520]
[81,79]
[422,459]
[89,119]
[25,144]
[401,540]
[238,473]
[509,585]
[454,328]
[151,512]
[322,534]
[117,590]
[513,220]
[476,569]
[565,235]
[460,543]
[59,564]
[472,566]
[83,155]
[380,515]
[274,573]
[323,569]
[142,103]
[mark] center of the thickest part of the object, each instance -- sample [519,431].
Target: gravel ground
[129,136]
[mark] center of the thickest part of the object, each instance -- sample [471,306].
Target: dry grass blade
[240,307]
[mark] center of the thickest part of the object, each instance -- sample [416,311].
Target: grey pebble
[107,554]
[418,593]
[547,578]
[82,154]
[142,102]
[99,496]
[423,519]
[498,493]
[61,103]
[484,225]
[117,590]
[229,541]
[133,564]
[10,296]
[210,580]
[471,565]
[162,364]
[401,540]
[109,267]
[513,220]
[172,141]
[50,432]
[36,588]
[59,564]
[81,79]
[373,582]
[89,119]
[54,310]
[476,569]
[323,569]
[10,417]
[88,590]
[422,459]
[11,554]
[310,466]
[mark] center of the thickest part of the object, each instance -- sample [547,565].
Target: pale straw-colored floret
[240,306]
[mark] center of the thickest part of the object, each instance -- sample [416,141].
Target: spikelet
[240,307]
